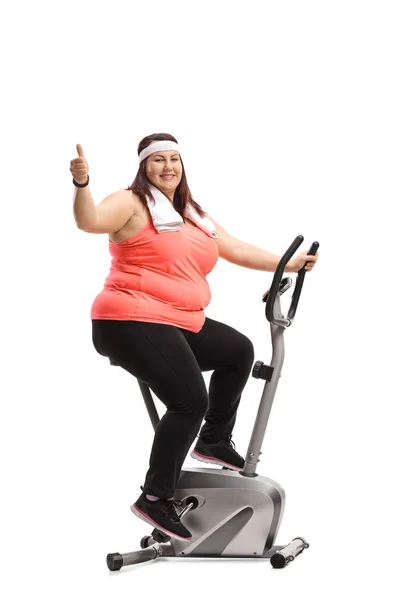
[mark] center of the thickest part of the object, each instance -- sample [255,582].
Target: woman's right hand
[79,167]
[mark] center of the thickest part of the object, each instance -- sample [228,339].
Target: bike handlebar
[273,292]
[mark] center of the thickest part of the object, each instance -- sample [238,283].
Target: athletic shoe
[162,515]
[221,453]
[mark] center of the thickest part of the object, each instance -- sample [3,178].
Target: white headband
[158,147]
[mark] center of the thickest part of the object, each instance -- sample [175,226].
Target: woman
[149,318]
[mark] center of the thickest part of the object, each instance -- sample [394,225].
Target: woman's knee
[194,406]
[184,394]
[245,351]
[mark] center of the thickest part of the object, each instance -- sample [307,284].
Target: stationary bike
[233,513]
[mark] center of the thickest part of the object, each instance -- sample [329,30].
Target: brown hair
[140,185]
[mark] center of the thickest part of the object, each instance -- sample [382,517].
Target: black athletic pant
[170,361]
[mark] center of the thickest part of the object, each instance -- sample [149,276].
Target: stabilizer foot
[115,561]
[288,553]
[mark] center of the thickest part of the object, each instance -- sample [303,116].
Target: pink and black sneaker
[220,453]
[162,515]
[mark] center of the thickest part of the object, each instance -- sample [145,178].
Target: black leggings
[170,361]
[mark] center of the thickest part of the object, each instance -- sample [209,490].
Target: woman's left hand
[300,260]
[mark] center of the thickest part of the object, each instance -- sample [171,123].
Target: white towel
[166,218]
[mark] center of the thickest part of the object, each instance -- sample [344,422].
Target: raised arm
[107,217]
[111,214]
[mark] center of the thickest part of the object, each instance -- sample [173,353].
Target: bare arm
[111,214]
[240,253]
[243,254]
[107,217]
[84,208]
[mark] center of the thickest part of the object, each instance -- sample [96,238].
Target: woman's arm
[243,254]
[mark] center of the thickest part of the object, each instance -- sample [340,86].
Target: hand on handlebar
[300,260]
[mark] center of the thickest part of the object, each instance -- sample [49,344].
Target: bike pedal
[160,536]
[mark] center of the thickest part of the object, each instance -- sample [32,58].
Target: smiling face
[164,170]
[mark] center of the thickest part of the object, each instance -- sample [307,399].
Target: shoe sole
[214,461]
[139,513]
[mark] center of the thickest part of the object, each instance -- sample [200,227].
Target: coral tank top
[159,277]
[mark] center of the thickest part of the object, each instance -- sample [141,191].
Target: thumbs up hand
[79,166]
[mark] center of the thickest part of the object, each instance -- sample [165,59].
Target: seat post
[148,399]
[149,402]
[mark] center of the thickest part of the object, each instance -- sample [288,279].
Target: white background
[288,118]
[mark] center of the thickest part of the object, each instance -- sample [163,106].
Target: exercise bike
[233,514]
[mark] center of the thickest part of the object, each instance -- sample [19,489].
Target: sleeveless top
[159,277]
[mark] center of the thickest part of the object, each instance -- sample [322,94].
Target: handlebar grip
[312,252]
[299,283]
[273,292]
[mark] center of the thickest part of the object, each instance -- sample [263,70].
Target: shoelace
[170,506]
[231,442]
[232,445]
[170,509]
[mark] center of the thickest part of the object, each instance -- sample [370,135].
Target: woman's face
[164,170]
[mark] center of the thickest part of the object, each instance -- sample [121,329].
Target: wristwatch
[76,184]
